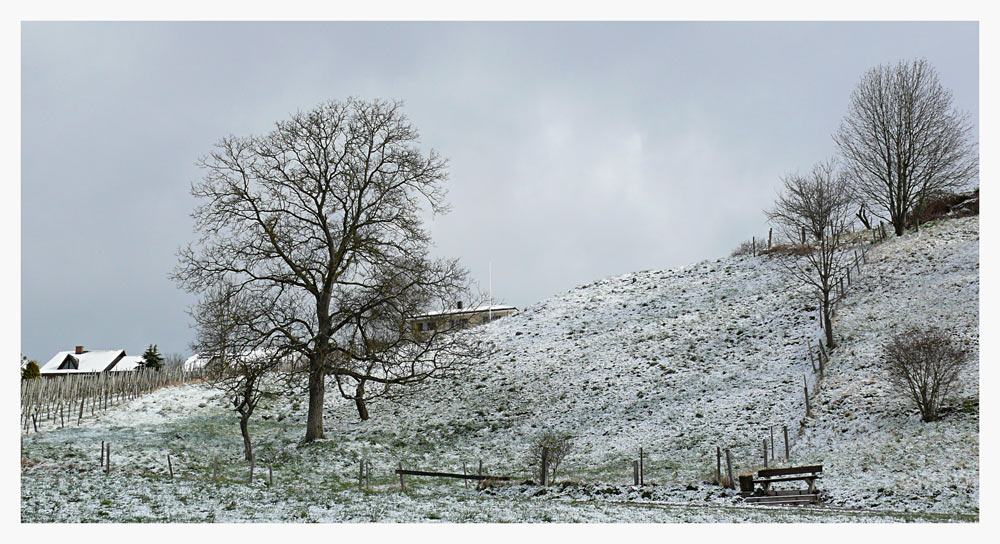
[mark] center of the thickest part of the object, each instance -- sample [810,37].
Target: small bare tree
[903,142]
[229,332]
[924,363]
[819,203]
[558,446]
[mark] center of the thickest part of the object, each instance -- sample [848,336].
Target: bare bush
[924,364]
[559,446]
[749,248]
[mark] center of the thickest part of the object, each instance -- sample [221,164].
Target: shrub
[788,249]
[559,445]
[30,371]
[746,248]
[950,205]
[924,364]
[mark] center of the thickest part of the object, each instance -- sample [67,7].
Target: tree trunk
[828,323]
[359,401]
[317,388]
[244,428]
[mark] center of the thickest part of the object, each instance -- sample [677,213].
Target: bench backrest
[768,472]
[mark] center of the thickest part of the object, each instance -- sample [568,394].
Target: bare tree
[924,364]
[558,447]
[320,218]
[903,142]
[819,204]
[229,324]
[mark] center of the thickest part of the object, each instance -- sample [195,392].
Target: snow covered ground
[876,451]
[677,362]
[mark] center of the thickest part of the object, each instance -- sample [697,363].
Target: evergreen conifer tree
[151,358]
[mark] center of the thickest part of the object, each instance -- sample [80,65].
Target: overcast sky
[577,150]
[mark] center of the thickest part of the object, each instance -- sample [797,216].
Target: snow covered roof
[127,363]
[478,309]
[88,361]
[196,361]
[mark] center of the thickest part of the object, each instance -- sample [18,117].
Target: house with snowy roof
[459,317]
[83,361]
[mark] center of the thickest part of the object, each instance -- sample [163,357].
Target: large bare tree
[903,142]
[819,204]
[321,217]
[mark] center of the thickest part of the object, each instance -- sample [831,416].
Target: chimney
[79,350]
[460,305]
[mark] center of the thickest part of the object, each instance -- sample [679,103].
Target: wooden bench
[765,477]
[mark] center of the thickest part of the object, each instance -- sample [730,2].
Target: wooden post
[170,466]
[102,454]
[361,475]
[718,465]
[765,453]
[805,385]
[107,469]
[368,474]
[784,428]
[803,236]
[635,472]
[848,276]
[769,238]
[464,473]
[270,473]
[812,361]
[642,467]
[402,484]
[252,463]
[480,467]
[772,443]
[729,470]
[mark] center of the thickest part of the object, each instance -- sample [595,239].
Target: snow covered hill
[876,451]
[677,362]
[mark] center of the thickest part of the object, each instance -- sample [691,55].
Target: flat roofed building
[459,318]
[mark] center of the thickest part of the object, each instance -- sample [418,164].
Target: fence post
[785,429]
[805,386]
[772,443]
[361,475]
[465,473]
[765,453]
[642,467]
[102,454]
[170,467]
[635,472]
[769,238]
[729,470]
[402,484]
[107,469]
[270,473]
[253,458]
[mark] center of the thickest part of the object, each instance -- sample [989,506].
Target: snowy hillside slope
[677,362]
[877,453]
